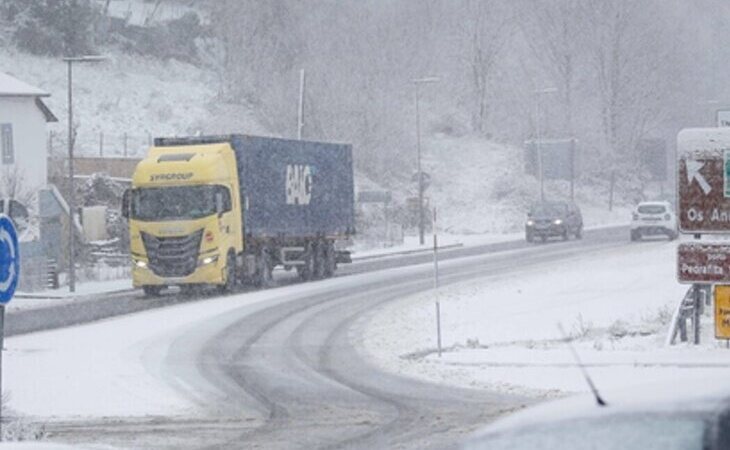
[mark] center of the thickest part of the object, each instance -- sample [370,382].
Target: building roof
[13,87]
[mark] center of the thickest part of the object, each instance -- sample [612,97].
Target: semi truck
[226,210]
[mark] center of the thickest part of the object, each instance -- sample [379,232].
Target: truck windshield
[175,203]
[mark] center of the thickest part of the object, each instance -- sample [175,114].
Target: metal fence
[101,144]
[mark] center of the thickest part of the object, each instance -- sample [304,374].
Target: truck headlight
[139,263]
[208,260]
[558,222]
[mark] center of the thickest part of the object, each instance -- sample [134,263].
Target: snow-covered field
[501,332]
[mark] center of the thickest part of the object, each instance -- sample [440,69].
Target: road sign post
[9,274]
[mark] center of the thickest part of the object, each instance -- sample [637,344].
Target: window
[652,209]
[6,142]
[177,202]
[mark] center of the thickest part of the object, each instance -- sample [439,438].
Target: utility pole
[421,214]
[300,115]
[72,188]
[538,148]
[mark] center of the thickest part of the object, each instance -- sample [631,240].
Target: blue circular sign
[9,259]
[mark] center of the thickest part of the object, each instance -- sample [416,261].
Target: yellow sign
[722,312]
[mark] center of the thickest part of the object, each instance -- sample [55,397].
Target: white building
[23,149]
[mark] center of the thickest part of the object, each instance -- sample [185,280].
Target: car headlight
[530,223]
[558,222]
[208,260]
[139,263]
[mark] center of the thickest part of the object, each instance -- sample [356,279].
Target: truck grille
[173,256]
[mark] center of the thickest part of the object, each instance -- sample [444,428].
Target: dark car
[553,219]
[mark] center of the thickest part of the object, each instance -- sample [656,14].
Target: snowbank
[502,332]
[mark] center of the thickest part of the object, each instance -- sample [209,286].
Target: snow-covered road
[258,367]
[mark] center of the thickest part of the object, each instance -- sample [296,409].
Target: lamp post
[421,219]
[538,149]
[71,200]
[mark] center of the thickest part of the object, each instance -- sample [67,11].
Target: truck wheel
[306,271]
[264,268]
[320,261]
[187,290]
[152,291]
[230,283]
[330,260]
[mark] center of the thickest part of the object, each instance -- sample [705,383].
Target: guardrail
[691,307]
[356,258]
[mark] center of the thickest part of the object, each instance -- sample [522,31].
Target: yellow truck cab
[223,210]
[183,216]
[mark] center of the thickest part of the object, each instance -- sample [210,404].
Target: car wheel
[579,232]
[543,238]
[635,235]
[565,234]
[529,238]
[672,235]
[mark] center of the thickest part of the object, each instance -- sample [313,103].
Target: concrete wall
[29,141]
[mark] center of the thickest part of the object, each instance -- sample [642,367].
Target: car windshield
[652,209]
[619,433]
[548,210]
[173,203]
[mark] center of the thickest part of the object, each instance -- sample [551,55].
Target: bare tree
[554,32]
[14,186]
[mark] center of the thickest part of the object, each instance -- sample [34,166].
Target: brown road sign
[703,180]
[722,312]
[703,263]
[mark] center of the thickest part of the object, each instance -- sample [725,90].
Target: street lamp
[538,93]
[71,200]
[421,226]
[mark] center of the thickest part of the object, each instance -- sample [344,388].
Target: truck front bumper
[213,273]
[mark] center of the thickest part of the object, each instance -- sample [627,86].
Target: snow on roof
[13,87]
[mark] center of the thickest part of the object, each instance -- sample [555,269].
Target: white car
[652,219]
[685,414]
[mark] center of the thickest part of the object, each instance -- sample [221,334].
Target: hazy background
[623,71]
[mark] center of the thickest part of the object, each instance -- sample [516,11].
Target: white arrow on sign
[5,284]
[693,172]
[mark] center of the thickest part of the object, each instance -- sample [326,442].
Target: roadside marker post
[9,274]
[436,281]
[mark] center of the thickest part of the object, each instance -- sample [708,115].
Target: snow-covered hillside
[139,96]
[478,186]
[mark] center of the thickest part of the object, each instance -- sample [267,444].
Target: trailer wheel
[330,260]
[264,267]
[320,261]
[306,270]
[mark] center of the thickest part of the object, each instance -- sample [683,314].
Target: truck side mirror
[219,204]
[125,203]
